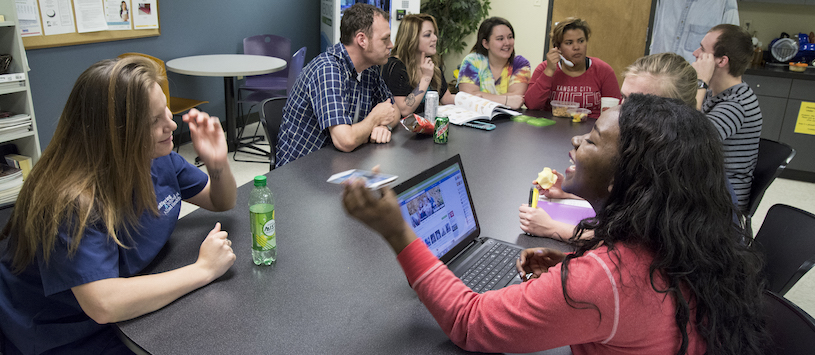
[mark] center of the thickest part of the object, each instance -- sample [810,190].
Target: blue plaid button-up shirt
[326,94]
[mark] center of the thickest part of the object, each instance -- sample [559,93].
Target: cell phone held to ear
[372,180]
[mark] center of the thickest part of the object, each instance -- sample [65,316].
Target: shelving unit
[15,90]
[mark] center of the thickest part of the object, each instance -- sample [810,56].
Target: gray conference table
[336,287]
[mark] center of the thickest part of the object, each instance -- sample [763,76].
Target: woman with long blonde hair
[99,205]
[413,69]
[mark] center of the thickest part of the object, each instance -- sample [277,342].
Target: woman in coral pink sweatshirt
[568,74]
[663,273]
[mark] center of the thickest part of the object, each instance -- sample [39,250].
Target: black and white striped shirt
[737,117]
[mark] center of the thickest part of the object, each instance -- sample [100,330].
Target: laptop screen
[436,204]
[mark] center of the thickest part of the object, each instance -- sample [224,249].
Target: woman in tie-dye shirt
[492,70]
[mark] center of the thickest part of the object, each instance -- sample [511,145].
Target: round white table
[227,66]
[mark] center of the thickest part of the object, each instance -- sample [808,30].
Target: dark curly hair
[669,196]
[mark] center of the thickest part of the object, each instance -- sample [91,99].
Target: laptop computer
[438,206]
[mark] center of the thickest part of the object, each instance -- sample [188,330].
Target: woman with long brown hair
[413,69]
[99,205]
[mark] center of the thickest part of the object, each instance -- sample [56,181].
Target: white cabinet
[15,92]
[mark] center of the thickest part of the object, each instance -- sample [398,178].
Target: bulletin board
[44,40]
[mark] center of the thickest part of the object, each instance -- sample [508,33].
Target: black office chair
[271,116]
[773,157]
[787,239]
[791,330]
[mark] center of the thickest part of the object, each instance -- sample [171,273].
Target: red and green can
[442,130]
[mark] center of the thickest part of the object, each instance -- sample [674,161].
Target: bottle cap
[260,180]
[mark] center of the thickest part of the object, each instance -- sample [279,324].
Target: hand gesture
[704,65]
[381,214]
[515,101]
[552,58]
[380,134]
[207,136]
[427,67]
[215,254]
[537,261]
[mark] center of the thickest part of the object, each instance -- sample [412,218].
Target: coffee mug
[608,102]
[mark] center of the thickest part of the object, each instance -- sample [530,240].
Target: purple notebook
[566,213]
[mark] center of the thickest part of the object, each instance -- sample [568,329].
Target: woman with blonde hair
[568,74]
[664,74]
[413,69]
[492,70]
[99,205]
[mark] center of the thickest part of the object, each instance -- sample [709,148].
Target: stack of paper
[11,181]
[18,123]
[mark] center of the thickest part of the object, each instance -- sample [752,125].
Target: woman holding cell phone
[568,74]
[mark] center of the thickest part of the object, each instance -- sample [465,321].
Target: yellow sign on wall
[806,119]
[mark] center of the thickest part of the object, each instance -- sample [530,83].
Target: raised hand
[207,136]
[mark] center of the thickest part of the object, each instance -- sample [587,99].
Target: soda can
[440,136]
[431,105]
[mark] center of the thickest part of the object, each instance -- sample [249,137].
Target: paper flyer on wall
[57,17]
[29,18]
[117,15]
[90,16]
[145,14]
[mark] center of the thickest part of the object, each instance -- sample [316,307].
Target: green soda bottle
[262,223]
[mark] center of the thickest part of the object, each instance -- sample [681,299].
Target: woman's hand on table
[536,261]
[515,101]
[381,214]
[207,136]
[537,222]
[216,254]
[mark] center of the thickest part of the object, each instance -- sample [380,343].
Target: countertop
[779,70]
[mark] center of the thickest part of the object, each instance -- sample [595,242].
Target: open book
[469,108]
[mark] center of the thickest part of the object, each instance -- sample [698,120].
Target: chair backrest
[165,86]
[271,116]
[271,46]
[791,330]
[295,67]
[787,239]
[773,157]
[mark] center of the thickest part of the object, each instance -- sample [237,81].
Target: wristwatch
[702,84]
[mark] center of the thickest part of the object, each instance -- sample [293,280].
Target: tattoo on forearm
[215,174]
[411,98]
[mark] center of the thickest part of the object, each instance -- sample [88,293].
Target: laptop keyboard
[495,267]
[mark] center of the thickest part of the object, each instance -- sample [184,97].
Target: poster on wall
[90,17]
[805,124]
[145,14]
[117,15]
[57,17]
[29,18]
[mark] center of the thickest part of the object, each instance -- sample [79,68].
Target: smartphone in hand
[372,180]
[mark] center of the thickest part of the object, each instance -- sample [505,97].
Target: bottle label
[261,218]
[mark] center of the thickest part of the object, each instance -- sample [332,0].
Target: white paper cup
[608,102]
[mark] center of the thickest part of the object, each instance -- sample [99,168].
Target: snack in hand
[546,178]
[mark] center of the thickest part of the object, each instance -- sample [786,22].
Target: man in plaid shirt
[340,95]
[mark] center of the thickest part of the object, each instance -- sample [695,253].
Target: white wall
[767,21]
[528,19]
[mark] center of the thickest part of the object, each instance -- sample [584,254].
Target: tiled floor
[790,192]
